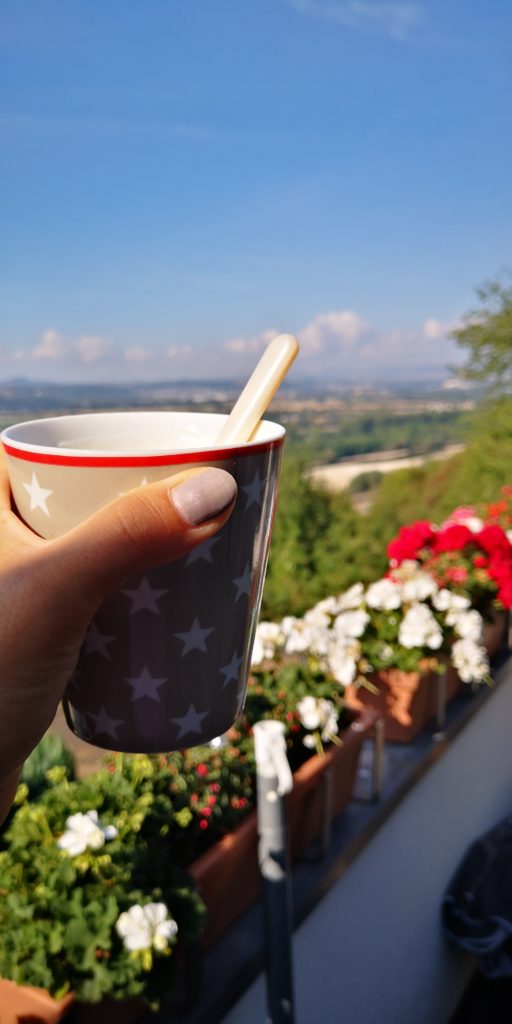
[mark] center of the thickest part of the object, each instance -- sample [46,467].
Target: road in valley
[339,475]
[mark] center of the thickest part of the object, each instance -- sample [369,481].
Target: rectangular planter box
[493,632]
[227,875]
[407,701]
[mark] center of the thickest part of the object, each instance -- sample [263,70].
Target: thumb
[145,527]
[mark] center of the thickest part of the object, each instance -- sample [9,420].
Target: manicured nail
[203,496]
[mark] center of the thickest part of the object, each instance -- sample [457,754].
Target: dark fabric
[477,906]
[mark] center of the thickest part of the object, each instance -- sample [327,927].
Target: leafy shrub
[49,753]
[60,905]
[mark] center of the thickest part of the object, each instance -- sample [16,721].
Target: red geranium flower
[492,538]
[410,540]
[505,594]
[454,538]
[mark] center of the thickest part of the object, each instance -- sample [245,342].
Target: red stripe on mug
[112,461]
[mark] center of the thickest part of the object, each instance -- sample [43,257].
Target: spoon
[261,387]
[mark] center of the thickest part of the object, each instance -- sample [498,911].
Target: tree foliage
[486,335]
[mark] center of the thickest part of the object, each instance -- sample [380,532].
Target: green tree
[486,335]
[311,544]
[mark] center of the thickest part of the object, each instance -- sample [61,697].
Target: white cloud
[256,343]
[90,348]
[395,20]
[437,328]
[52,346]
[341,328]
[343,345]
[137,354]
[339,344]
[179,352]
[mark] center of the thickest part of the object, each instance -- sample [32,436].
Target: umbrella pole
[274,780]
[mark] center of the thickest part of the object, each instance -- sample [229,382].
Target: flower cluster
[85,831]
[147,927]
[405,620]
[467,553]
[319,717]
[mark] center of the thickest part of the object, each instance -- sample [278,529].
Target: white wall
[372,952]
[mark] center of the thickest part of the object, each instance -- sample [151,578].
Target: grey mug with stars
[166,658]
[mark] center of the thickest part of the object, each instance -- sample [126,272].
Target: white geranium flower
[351,623]
[317,617]
[419,587]
[309,712]
[468,624]
[508,534]
[342,660]
[328,605]
[419,628]
[85,832]
[318,714]
[320,642]
[146,927]
[267,640]
[309,741]
[470,660]
[445,600]
[384,595]
[288,624]
[299,637]
[351,598]
[331,720]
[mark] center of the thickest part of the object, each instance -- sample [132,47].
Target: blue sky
[181,178]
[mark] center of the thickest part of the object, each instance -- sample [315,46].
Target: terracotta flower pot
[227,875]
[22,1004]
[406,701]
[493,631]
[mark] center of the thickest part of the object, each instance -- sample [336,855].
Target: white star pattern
[96,642]
[38,495]
[145,597]
[231,672]
[191,722]
[194,639]
[243,582]
[146,685]
[106,725]
[254,491]
[203,553]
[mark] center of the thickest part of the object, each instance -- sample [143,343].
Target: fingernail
[203,496]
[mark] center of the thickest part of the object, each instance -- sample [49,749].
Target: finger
[145,527]
[5,489]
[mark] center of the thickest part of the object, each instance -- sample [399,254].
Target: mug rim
[52,455]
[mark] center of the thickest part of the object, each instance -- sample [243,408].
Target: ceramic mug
[166,658]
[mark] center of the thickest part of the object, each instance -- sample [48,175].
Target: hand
[50,590]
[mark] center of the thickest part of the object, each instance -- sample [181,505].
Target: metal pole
[274,780]
[441,701]
[378,754]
